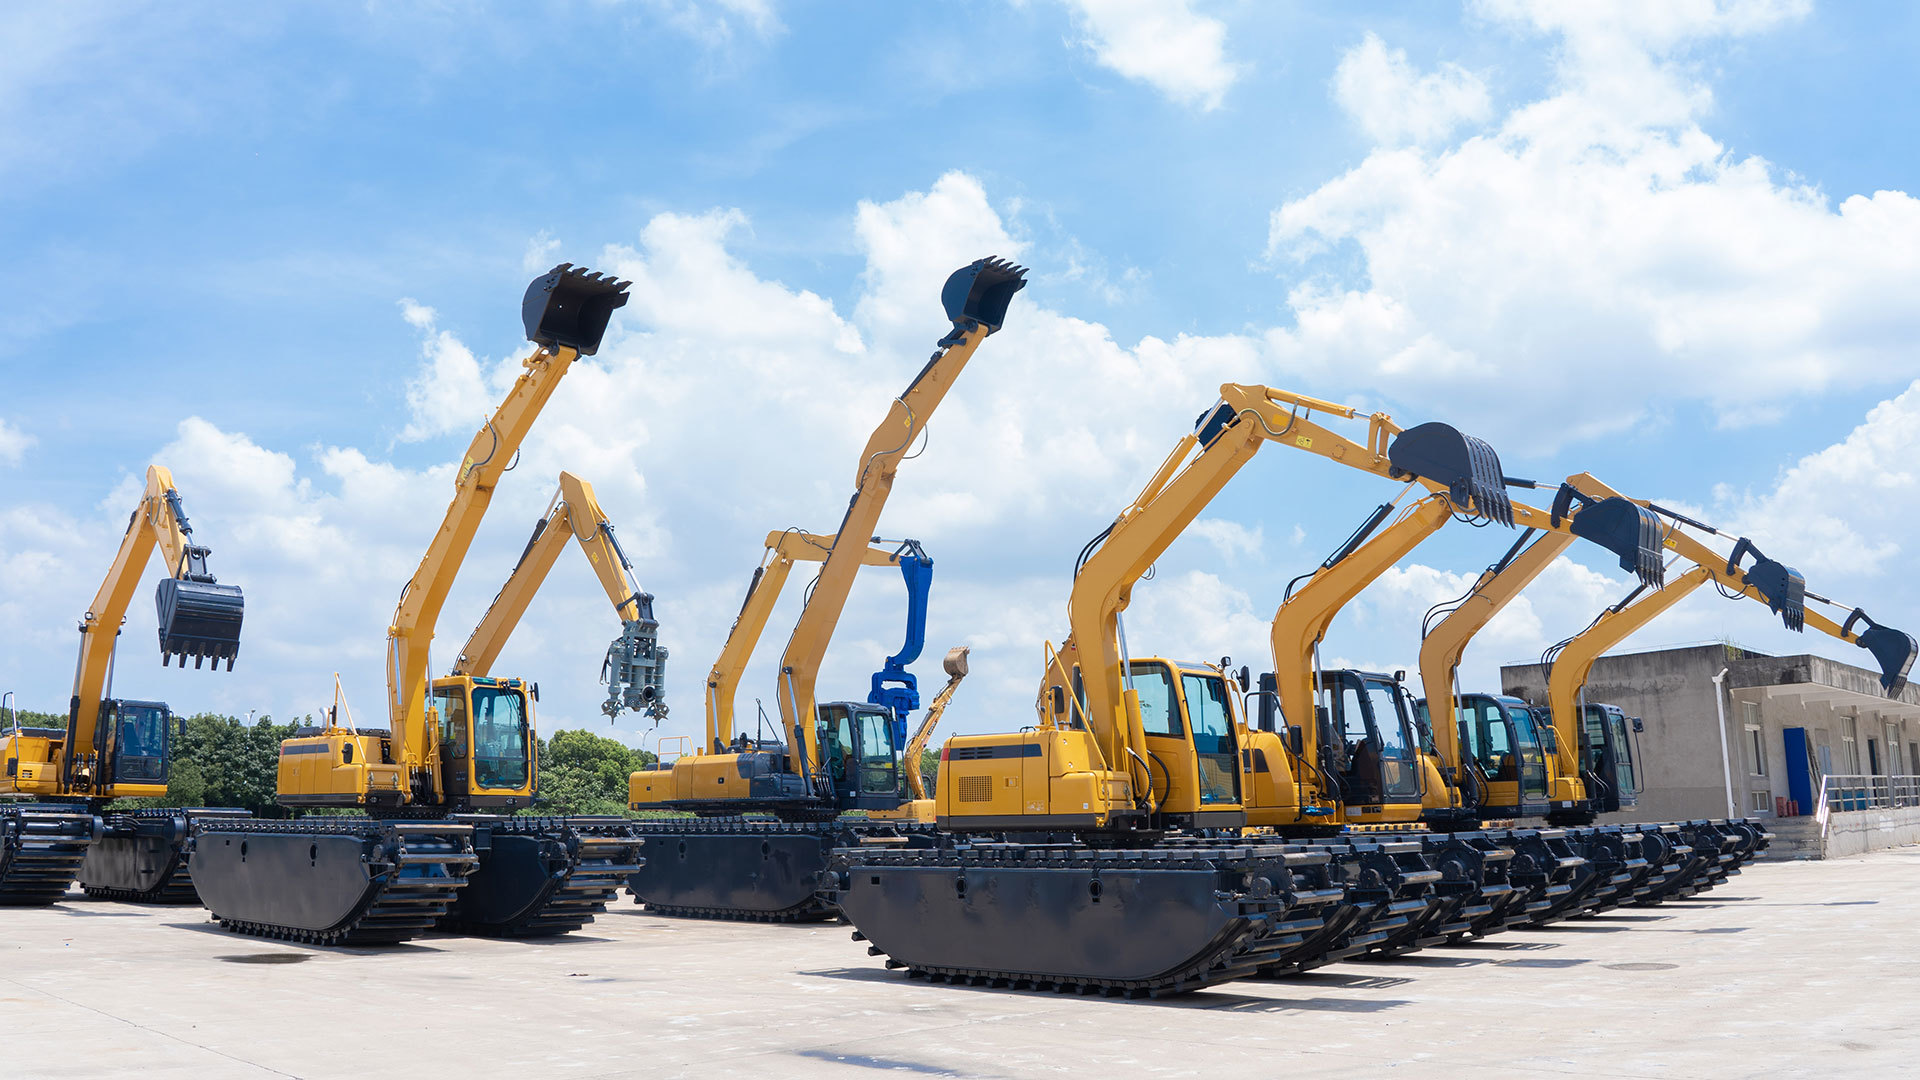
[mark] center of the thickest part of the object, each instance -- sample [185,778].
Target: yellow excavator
[834,759]
[635,667]
[955,665]
[1123,873]
[112,747]
[424,855]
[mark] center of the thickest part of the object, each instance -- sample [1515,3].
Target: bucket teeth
[1468,467]
[570,306]
[199,619]
[1894,649]
[981,290]
[1784,588]
[1627,529]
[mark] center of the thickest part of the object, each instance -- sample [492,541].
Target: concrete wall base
[1852,832]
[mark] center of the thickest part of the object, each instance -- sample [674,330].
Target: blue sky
[280,250]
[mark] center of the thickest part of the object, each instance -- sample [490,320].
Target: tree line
[221,761]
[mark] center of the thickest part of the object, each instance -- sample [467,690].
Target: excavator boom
[636,663]
[975,298]
[412,864]
[116,748]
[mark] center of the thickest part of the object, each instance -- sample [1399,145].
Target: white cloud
[1395,104]
[1600,246]
[1843,510]
[449,393]
[14,443]
[719,23]
[1163,43]
[1230,538]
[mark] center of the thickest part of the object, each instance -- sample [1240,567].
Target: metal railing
[1840,793]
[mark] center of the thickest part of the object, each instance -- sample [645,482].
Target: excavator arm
[769,578]
[955,666]
[976,298]
[566,313]
[198,617]
[1461,469]
[636,663]
[1781,588]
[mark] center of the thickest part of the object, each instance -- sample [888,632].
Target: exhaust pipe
[1467,466]
[569,307]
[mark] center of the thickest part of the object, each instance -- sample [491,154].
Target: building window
[1761,802]
[1756,752]
[1913,758]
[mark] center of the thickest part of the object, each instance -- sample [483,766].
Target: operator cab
[1501,739]
[1607,757]
[1368,742]
[142,740]
[859,758]
[1186,712]
[486,741]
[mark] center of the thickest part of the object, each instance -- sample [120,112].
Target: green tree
[583,773]
[929,770]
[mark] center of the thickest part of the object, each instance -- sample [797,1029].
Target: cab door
[456,770]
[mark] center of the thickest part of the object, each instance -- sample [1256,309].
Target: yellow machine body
[485,739]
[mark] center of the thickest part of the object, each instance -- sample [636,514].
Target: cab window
[1158,713]
[876,753]
[452,703]
[499,738]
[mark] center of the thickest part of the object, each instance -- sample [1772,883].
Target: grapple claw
[1784,588]
[981,291]
[1466,465]
[1894,649]
[569,307]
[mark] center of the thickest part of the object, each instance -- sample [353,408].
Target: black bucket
[981,291]
[200,619]
[569,307]
[1784,588]
[1624,527]
[1467,466]
[1894,649]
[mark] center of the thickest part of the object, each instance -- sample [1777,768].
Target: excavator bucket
[981,291]
[1622,526]
[1894,649]
[200,619]
[1784,587]
[1467,466]
[570,307]
[955,665]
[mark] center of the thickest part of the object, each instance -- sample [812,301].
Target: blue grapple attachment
[894,687]
[1894,649]
[980,291]
[1467,466]
[569,307]
[199,617]
[1784,588]
[1620,525]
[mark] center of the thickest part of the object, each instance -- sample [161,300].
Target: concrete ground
[1791,969]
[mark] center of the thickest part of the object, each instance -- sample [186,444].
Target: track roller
[141,857]
[331,881]
[41,849]
[541,876]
